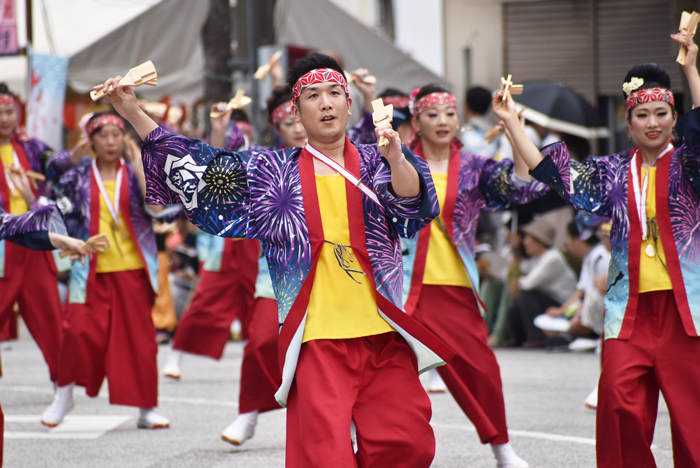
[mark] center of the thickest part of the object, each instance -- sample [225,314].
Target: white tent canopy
[103,38]
[323,25]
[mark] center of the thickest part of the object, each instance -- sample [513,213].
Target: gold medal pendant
[650,250]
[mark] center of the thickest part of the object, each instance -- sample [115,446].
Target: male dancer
[332,243]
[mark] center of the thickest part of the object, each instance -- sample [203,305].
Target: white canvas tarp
[103,38]
[322,25]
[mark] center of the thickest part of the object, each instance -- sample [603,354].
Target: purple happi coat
[602,186]
[258,195]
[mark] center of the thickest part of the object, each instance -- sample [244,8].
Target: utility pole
[216,39]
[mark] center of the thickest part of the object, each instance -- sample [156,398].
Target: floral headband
[432,99]
[635,98]
[320,75]
[399,102]
[282,111]
[7,100]
[100,121]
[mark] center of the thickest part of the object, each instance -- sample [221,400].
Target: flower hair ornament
[633,85]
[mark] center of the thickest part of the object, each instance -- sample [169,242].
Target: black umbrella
[561,109]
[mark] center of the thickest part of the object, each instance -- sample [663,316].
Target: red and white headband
[432,99]
[399,102]
[7,100]
[635,98]
[320,75]
[282,111]
[98,122]
[649,95]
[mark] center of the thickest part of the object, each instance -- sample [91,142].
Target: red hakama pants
[31,281]
[658,356]
[473,377]
[372,381]
[10,328]
[220,297]
[112,335]
[2,434]
[260,370]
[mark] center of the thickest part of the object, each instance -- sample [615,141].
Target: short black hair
[312,61]
[280,95]
[239,115]
[573,230]
[478,100]
[392,92]
[575,233]
[430,89]
[5,90]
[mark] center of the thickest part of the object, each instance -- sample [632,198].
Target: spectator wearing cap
[548,281]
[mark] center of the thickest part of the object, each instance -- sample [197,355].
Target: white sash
[114,211]
[345,173]
[640,194]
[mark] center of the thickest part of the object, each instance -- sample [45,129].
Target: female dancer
[444,285]
[40,304]
[260,373]
[652,314]
[108,330]
[39,229]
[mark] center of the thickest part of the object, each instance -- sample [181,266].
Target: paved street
[550,427]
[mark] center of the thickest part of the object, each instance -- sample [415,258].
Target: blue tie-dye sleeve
[407,214]
[589,186]
[211,183]
[496,183]
[690,152]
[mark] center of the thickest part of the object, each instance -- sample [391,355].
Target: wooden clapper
[508,86]
[95,244]
[382,114]
[264,69]
[361,74]
[144,74]
[689,22]
[239,101]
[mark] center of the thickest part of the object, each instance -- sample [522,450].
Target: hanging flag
[46,95]
[8,28]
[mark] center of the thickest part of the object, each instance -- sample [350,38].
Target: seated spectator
[548,281]
[569,317]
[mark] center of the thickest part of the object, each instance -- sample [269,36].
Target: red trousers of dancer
[220,297]
[473,377]
[31,282]
[658,356]
[10,328]
[2,434]
[112,335]
[372,381]
[260,370]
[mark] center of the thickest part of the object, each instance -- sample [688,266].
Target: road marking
[105,394]
[72,427]
[529,434]
[537,435]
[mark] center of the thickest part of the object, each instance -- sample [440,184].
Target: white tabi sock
[506,457]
